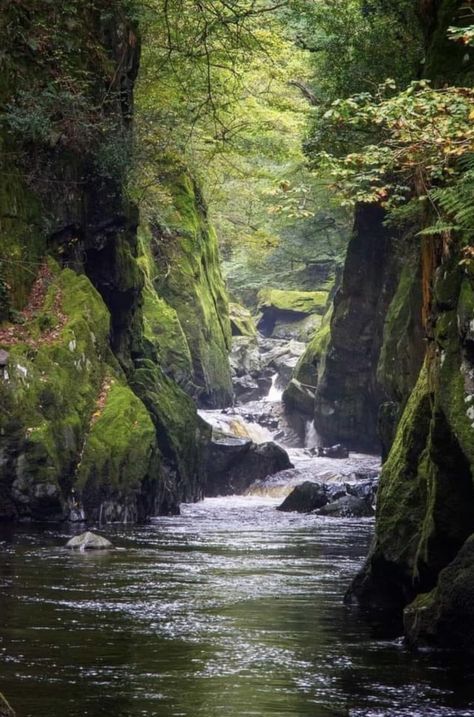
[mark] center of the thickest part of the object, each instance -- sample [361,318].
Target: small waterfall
[274,394]
[312,438]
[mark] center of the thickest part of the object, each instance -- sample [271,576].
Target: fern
[455,204]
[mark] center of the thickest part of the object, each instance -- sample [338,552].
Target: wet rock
[89,541]
[337,451]
[366,490]
[299,398]
[5,709]
[305,498]
[233,464]
[445,616]
[347,507]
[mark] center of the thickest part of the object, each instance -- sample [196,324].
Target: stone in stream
[305,498]
[5,709]
[233,464]
[347,507]
[337,451]
[89,541]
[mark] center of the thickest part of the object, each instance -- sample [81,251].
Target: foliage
[427,137]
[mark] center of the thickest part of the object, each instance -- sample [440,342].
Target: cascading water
[312,438]
[275,394]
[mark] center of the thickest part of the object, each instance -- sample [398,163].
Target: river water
[230,609]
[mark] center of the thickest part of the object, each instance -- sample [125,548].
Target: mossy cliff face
[68,418]
[187,276]
[93,420]
[426,500]
[421,559]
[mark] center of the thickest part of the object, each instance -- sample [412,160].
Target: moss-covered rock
[189,279]
[425,506]
[445,616]
[118,469]
[348,395]
[241,321]
[299,302]
[291,314]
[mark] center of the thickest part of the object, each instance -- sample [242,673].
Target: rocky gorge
[137,385]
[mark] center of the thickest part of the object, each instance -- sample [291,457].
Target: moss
[161,324]
[403,489]
[242,323]
[49,391]
[402,349]
[308,367]
[456,388]
[189,279]
[118,449]
[301,302]
[177,427]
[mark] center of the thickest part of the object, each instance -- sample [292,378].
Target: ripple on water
[232,608]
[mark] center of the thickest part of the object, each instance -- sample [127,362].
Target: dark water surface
[232,609]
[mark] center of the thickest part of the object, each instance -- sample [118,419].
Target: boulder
[347,507]
[299,398]
[291,314]
[89,541]
[305,498]
[337,451]
[233,464]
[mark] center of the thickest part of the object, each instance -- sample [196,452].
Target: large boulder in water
[305,498]
[89,541]
[233,464]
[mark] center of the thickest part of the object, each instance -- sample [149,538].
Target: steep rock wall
[422,550]
[93,420]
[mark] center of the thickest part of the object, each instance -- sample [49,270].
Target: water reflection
[231,609]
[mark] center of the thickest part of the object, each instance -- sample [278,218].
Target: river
[231,609]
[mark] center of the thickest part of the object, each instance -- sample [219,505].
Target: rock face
[89,541]
[348,397]
[421,559]
[233,464]
[446,615]
[291,314]
[102,347]
[192,285]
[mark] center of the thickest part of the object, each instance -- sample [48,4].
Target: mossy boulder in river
[291,314]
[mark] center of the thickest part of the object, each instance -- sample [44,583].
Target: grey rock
[89,541]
